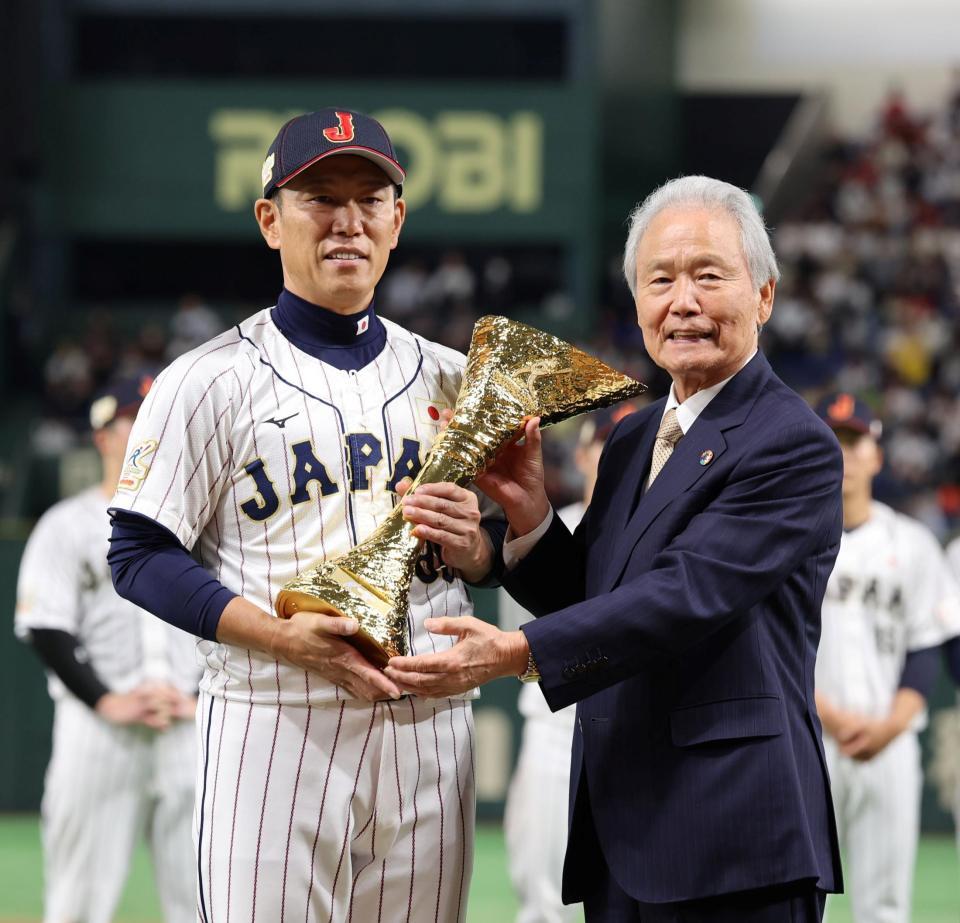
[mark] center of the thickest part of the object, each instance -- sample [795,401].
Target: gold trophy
[513,372]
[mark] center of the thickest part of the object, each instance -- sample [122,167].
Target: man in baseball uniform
[952,657]
[890,604]
[124,687]
[535,816]
[323,793]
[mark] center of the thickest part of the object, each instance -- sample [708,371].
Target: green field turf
[937,889]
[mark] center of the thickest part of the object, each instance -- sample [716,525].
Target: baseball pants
[334,813]
[877,804]
[106,786]
[535,820]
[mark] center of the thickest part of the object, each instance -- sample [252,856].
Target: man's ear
[399,214]
[878,462]
[267,213]
[766,301]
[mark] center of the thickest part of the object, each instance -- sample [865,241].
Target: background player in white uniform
[322,793]
[952,653]
[890,604]
[124,687]
[535,817]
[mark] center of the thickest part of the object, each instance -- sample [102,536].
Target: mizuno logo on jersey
[137,466]
[282,422]
[308,473]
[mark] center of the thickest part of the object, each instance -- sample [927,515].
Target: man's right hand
[309,640]
[314,641]
[514,480]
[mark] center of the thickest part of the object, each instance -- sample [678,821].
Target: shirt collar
[693,406]
[320,326]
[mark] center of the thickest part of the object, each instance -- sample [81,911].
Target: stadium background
[133,132]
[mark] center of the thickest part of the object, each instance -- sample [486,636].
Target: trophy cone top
[554,378]
[513,372]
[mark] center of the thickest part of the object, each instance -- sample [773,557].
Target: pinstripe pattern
[331,809]
[356,847]
[213,409]
[293,806]
[201,799]
[106,786]
[263,803]
[313,441]
[346,833]
[64,583]
[97,798]
[436,744]
[236,797]
[222,342]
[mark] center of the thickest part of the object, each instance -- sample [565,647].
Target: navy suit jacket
[687,629]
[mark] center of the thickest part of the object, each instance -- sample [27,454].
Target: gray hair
[705,192]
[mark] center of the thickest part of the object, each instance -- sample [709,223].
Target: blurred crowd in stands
[870,297]
[869,302]
[78,366]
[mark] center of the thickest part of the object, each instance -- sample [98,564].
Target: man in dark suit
[683,615]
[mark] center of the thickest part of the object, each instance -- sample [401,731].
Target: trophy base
[335,591]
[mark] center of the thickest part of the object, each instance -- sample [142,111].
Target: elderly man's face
[696,303]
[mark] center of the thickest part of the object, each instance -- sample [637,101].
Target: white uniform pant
[535,819]
[327,814]
[877,804]
[105,787]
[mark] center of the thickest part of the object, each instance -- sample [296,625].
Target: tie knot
[670,430]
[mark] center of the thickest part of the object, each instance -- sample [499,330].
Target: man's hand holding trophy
[516,377]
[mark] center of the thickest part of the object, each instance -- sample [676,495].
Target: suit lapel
[688,463]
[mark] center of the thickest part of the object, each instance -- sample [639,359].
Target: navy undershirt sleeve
[951,653]
[61,653]
[151,568]
[920,670]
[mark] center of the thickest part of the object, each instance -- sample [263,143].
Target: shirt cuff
[516,549]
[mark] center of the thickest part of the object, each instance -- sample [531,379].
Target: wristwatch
[532,673]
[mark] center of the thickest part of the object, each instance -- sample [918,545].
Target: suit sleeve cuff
[516,549]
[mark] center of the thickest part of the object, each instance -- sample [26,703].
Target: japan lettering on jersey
[890,592]
[270,460]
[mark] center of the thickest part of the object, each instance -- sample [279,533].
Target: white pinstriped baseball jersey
[107,785]
[64,583]
[270,460]
[890,593]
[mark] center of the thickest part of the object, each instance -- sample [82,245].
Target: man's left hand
[482,653]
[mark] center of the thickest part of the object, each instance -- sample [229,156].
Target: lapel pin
[706,457]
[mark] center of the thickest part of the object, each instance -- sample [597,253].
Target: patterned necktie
[668,436]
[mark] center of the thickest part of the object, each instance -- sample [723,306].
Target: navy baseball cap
[842,410]
[121,397]
[307,138]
